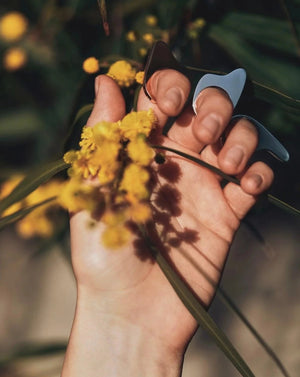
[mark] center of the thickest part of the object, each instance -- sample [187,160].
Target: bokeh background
[43,86]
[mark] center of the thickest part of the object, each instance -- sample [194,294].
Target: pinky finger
[257,179]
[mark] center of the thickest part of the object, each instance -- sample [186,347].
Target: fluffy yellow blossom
[122,72]
[108,173]
[91,65]
[140,152]
[13,26]
[116,155]
[107,153]
[151,20]
[87,142]
[114,237]
[140,212]
[131,36]
[103,131]
[14,58]
[134,182]
[76,195]
[70,157]
[136,123]
[139,77]
[148,38]
[82,164]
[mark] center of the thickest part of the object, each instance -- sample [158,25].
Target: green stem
[272,199]
[196,309]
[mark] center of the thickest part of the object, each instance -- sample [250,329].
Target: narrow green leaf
[33,350]
[71,138]
[280,204]
[198,312]
[272,199]
[81,112]
[32,181]
[261,67]
[231,305]
[18,215]
[276,97]
[268,32]
[19,125]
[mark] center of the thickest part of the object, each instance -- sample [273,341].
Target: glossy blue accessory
[161,57]
[233,83]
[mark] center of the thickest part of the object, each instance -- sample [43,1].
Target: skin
[128,320]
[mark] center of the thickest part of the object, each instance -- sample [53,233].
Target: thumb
[109,103]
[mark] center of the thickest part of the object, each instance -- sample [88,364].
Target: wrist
[112,344]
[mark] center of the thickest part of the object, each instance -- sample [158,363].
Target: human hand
[125,300]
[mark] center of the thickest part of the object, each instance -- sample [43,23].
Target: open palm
[194,214]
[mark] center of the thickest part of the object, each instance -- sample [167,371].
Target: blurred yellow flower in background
[14,58]
[13,26]
[148,38]
[131,36]
[91,65]
[151,20]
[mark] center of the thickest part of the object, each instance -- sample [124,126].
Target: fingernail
[235,156]
[173,95]
[211,125]
[256,180]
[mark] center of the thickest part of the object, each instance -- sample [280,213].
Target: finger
[214,110]
[109,102]
[238,148]
[257,179]
[169,90]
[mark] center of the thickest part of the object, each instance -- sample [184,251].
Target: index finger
[169,90]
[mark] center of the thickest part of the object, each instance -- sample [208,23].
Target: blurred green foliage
[39,101]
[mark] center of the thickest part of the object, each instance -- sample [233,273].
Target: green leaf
[272,199]
[269,71]
[264,31]
[21,124]
[18,215]
[73,133]
[32,181]
[81,112]
[192,303]
[33,350]
[231,305]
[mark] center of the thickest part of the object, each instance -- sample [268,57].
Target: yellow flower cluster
[13,26]
[109,174]
[39,221]
[122,72]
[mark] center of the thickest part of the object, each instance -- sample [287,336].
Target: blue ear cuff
[233,84]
